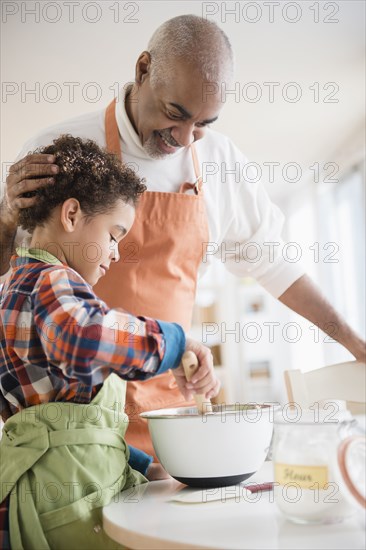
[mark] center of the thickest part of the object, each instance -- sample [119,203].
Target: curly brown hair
[96,178]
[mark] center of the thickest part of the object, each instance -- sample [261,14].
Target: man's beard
[151,144]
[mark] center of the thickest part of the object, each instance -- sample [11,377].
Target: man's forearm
[304,298]
[7,239]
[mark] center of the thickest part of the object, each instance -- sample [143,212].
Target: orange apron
[156,277]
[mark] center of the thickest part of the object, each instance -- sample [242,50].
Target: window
[329,224]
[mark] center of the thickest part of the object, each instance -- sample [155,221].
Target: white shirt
[241,217]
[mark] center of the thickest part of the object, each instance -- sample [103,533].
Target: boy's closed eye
[119,234]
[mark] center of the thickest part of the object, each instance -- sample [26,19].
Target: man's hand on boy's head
[26,175]
[204,381]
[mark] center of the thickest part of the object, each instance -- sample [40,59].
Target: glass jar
[306,471]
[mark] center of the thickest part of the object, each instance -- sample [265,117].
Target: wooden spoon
[190,366]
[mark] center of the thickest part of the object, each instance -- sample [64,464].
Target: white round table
[147,517]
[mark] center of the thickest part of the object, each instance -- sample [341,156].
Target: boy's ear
[70,215]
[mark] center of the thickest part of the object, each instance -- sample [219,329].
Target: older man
[161,127]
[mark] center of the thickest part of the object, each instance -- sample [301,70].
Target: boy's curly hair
[96,178]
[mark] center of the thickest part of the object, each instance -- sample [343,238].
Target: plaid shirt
[59,342]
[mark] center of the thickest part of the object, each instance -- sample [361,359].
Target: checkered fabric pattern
[59,342]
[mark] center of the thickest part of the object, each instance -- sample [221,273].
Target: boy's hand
[155,472]
[204,381]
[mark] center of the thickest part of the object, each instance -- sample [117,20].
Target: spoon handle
[190,366]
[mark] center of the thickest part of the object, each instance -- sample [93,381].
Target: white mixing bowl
[214,450]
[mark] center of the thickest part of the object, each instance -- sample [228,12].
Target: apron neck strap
[199,183]
[38,254]
[111,130]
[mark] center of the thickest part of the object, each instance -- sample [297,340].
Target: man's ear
[142,67]
[70,215]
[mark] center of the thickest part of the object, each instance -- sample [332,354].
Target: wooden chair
[343,381]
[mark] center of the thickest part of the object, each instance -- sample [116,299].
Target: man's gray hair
[195,40]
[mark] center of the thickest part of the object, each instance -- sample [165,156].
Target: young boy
[64,356]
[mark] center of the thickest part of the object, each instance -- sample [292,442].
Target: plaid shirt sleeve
[88,341]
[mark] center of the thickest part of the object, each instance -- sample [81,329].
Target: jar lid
[351,457]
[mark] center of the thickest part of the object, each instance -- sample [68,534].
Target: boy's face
[95,241]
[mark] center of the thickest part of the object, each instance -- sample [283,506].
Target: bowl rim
[191,412]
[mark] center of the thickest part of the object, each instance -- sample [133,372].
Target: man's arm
[26,175]
[304,298]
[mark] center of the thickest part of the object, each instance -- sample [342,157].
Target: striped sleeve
[88,341]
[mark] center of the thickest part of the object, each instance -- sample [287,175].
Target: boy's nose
[115,256]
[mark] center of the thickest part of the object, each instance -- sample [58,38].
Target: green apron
[61,463]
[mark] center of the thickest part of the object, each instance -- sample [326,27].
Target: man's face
[175,113]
